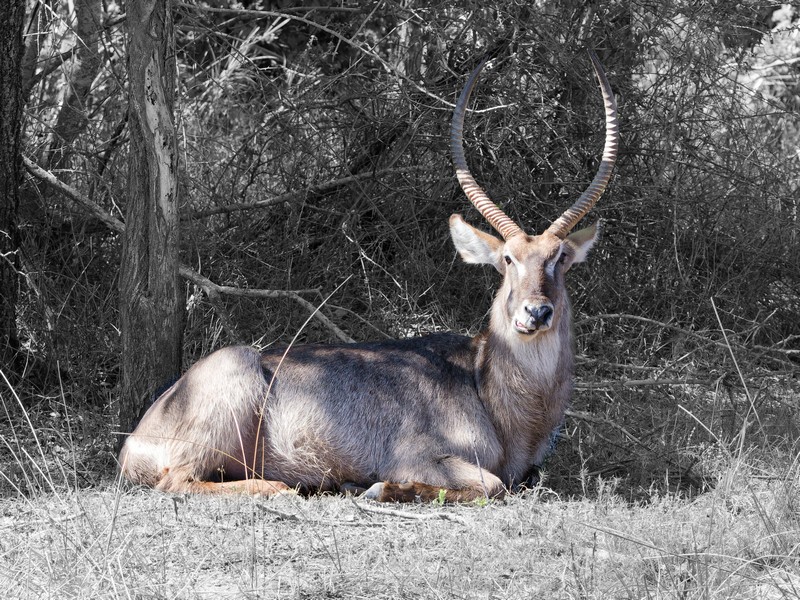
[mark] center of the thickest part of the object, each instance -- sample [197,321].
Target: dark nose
[540,314]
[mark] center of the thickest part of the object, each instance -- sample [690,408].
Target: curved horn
[564,224]
[490,211]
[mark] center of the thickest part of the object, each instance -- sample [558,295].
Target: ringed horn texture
[490,211]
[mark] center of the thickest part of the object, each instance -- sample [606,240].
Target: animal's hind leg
[254,487]
[176,482]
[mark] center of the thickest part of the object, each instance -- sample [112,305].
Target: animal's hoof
[374,492]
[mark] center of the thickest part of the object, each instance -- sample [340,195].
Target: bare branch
[212,290]
[70,192]
[54,62]
[322,188]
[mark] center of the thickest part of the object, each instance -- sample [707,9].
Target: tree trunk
[33,44]
[72,118]
[12,16]
[150,314]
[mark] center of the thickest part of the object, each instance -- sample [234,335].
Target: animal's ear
[582,241]
[475,246]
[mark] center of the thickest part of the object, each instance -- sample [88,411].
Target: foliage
[313,142]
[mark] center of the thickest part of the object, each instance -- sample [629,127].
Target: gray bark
[12,16]
[150,313]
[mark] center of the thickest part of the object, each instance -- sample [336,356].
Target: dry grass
[62,539]
[741,540]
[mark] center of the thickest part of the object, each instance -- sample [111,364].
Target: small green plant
[440,499]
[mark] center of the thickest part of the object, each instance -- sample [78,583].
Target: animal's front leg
[455,480]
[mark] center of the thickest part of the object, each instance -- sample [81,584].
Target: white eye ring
[550,268]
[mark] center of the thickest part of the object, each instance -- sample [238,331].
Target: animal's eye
[508,260]
[563,258]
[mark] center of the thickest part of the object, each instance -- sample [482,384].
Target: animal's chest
[529,407]
[531,441]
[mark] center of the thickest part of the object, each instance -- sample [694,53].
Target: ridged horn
[475,193]
[564,224]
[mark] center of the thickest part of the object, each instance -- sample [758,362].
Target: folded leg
[449,478]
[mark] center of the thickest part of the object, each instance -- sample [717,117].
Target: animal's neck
[525,383]
[525,366]
[518,375]
[537,357]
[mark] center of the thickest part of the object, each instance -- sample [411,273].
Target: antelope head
[532,297]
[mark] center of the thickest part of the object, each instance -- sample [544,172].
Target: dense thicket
[12,17]
[313,148]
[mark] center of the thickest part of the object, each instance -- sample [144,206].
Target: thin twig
[392,512]
[584,416]
[271,14]
[54,62]
[321,188]
[703,336]
[284,516]
[633,383]
[739,372]
[651,322]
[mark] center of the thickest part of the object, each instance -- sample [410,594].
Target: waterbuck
[441,416]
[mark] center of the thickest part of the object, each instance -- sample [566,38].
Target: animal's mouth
[530,328]
[523,329]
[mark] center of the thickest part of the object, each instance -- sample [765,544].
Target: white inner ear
[473,246]
[582,250]
[583,241]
